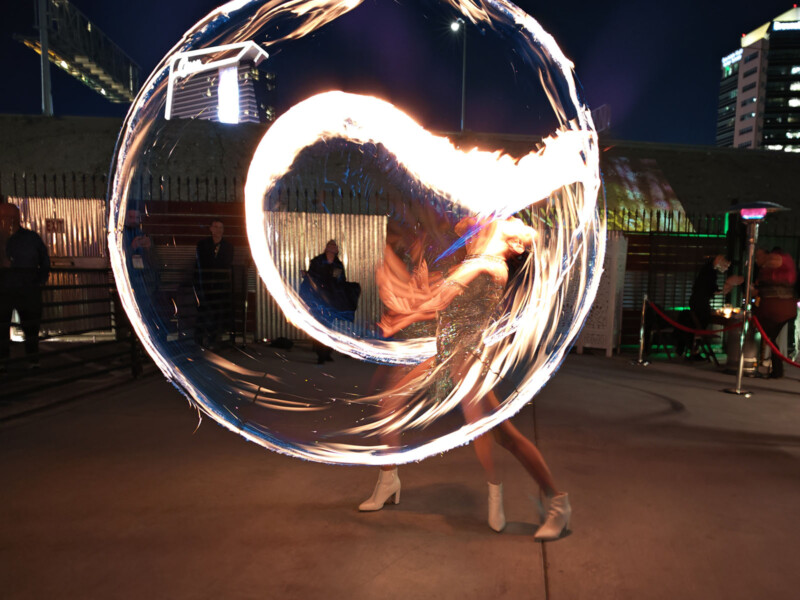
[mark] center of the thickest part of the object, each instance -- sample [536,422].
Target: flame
[550,304]
[485,183]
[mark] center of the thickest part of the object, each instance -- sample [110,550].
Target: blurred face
[332,248]
[217,229]
[761,257]
[9,219]
[132,218]
[721,263]
[518,236]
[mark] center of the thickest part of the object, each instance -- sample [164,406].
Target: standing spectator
[214,260]
[777,302]
[24,269]
[703,291]
[142,257]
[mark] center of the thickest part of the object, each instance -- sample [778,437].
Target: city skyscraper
[221,83]
[759,96]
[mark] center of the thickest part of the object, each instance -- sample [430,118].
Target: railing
[83,334]
[666,250]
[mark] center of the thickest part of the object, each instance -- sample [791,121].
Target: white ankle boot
[557,521]
[388,485]
[497,517]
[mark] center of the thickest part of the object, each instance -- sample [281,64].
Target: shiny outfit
[460,329]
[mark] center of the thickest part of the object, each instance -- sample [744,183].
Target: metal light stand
[752,214]
[642,362]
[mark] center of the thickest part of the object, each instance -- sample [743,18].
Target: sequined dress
[460,329]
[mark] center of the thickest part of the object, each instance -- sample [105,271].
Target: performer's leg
[559,511]
[510,438]
[388,480]
[483,448]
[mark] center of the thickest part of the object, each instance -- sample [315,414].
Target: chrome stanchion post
[752,214]
[752,239]
[642,362]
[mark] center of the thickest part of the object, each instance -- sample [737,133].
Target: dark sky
[655,63]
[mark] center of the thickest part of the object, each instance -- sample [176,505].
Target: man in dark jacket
[704,289]
[24,269]
[214,260]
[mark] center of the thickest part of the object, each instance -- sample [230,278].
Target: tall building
[222,83]
[759,94]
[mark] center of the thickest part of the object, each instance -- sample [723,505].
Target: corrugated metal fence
[303,236]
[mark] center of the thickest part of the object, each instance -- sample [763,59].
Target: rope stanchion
[642,362]
[771,344]
[674,323]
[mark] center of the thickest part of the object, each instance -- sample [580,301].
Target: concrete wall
[705,179]
[84,146]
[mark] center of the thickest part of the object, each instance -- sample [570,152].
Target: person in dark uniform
[325,276]
[703,291]
[24,269]
[214,259]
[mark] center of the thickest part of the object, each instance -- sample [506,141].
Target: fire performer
[463,305]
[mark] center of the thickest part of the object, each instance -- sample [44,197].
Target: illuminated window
[774,147]
[228,94]
[749,101]
[796,70]
[795,87]
[791,148]
[746,116]
[794,102]
[793,135]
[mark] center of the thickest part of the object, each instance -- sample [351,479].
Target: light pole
[457,25]
[47,95]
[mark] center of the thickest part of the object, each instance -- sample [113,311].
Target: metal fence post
[642,362]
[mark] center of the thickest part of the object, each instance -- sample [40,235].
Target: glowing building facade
[236,94]
[221,83]
[759,97]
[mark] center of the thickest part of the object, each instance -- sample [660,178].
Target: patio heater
[751,214]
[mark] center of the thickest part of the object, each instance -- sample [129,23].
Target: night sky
[655,63]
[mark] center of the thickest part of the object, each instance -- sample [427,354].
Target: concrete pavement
[678,491]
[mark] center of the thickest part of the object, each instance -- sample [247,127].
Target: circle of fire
[563,272]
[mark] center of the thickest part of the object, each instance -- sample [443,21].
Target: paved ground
[678,491]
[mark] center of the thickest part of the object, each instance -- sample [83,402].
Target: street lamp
[752,214]
[455,26]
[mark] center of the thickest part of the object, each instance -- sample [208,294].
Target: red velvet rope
[663,315]
[772,346]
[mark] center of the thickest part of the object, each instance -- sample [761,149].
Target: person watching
[24,269]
